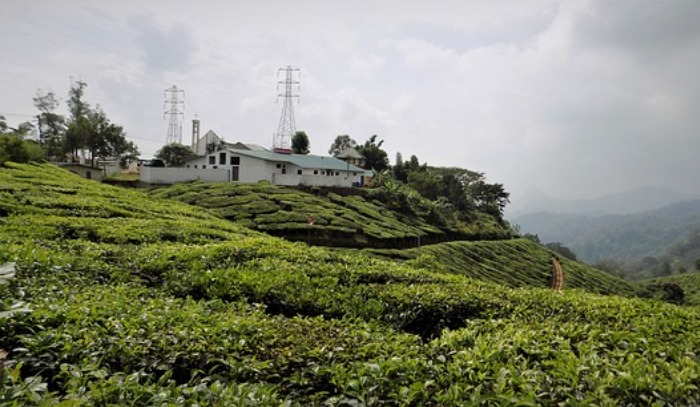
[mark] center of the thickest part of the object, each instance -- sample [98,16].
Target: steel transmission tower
[282,142]
[172,109]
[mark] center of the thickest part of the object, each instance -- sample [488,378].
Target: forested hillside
[120,298]
[640,245]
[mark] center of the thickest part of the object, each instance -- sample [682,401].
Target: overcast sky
[576,99]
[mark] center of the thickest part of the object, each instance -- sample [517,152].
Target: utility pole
[282,142]
[172,108]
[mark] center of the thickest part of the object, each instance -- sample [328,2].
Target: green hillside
[689,283]
[619,237]
[357,220]
[516,263]
[140,301]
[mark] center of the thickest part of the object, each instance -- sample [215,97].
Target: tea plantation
[515,262]
[659,287]
[357,220]
[123,298]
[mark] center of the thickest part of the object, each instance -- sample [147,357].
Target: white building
[250,163]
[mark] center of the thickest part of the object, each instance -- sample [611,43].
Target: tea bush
[138,300]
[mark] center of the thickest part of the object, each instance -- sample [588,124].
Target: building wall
[318,180]
[200,147]
[96,174]
[253,170]
[170,175]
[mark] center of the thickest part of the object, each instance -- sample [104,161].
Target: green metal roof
[301,160]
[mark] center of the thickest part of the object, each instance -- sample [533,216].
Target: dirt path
[557,274]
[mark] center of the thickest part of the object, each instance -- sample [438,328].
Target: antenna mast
[172,109]
[282,142]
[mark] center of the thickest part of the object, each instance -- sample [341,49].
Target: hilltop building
[218,160]
[246,164]
[353,157]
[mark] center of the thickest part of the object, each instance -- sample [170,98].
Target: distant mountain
[620,237]
[633,201]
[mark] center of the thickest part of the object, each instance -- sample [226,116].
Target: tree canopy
[375,158]
[341,143]
[15,147]
[51,125]
[86,128]
[300,143]
[175,155]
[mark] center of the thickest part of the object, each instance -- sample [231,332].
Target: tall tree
[51,125]
[490,198]
[91,129]
[106,139]
[341,143]
[300,143]
[79,127]
[376,158]
[175,155]
[76,105]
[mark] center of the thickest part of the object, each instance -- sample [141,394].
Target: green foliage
[515,263]
[51,125]
[663,287]
[375,157]
[175,155]
[300,143]
[216,314]
[340,144]
[382,214]
[14,148]
[666,234]
[562,250]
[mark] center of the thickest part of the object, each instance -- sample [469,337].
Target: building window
[279,165]
[88,174]
[284,170]
[298,172]
[215,167]
[204,167]
[235,160]
[212,159]
[354,173]
[315,172]
[222,158]
[188,166]
[195,166]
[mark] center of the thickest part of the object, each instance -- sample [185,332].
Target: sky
[572,98]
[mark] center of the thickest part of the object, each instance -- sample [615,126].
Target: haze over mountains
[626,227]
[633,201]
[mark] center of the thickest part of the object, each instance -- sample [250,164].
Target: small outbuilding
[83,170]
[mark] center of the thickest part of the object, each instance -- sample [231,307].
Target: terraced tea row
[515,262]
[355,220]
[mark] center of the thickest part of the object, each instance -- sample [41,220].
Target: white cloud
[578,98]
